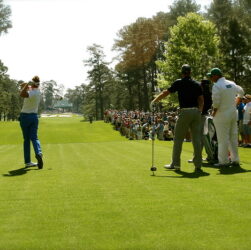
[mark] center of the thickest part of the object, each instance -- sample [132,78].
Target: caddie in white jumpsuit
[224,94]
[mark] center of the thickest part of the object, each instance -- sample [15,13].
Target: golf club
[153,168]
[154,107]
[56,96]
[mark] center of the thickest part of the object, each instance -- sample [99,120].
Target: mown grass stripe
[96,192]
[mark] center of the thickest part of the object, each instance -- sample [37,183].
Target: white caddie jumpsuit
[224,93]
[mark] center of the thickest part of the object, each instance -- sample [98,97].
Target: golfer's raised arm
[23,92]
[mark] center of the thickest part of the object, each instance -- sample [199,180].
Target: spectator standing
[247,122]
[191,104]
[29,121]
[224,114]
[166,130]
[160,129]
[240,109]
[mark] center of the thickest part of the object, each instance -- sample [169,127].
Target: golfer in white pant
[224,94]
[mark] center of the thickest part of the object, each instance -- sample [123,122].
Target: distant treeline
[150,52]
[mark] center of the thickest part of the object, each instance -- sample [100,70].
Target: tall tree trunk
[129,87]
[153,80]
[145,92]
[139,95]
[101,103]
[96,102]
[100,92]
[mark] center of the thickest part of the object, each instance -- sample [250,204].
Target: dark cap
[214,72]
[185,69]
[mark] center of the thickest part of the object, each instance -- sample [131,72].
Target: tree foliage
[233,22]
[193,41]
[140,45]
[5,13]
[10,102]
[150,54]
[99,75]
[182,8]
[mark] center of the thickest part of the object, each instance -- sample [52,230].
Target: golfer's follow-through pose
[191,104]
[29,121]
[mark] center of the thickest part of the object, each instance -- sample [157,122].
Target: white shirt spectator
[247,113]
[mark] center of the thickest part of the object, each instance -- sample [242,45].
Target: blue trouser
[29,125]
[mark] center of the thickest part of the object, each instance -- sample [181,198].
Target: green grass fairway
[96,192]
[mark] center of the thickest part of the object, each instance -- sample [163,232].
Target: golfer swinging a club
[29,121]
[191,103]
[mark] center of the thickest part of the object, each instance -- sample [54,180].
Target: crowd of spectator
[138,125]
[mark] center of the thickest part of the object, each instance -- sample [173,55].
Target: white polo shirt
[247,113]
[31,103]
[224,93]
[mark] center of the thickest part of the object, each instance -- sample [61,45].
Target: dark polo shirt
[188,92]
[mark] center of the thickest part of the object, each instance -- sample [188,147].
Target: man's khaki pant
[188,119]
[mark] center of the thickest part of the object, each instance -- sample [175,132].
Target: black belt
[189,108]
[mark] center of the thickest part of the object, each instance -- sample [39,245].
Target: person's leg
[203,120]
[25,126]
[249,134]
[222,131]
[35,141]
[240,127]
[245,134]
[233,141]
[195,128]
[33,135]
[180,131]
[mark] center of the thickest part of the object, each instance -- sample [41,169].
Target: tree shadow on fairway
[20,171]
[233,170]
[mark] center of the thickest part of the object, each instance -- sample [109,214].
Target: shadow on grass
[20,171]
[227,170]
[183,174]
[208,165]
[233,170]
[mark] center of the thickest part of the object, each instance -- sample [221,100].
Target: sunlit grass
[96,192]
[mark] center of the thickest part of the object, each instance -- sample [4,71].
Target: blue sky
[49,37]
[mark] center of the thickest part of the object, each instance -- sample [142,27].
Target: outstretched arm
[162,95]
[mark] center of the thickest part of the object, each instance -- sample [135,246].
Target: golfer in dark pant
[191,103]
[29,121]
[29,125]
